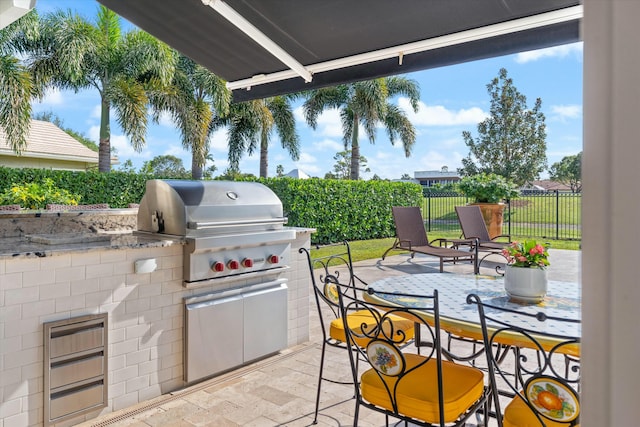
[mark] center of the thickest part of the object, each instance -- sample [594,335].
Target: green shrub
[341,209]
[487,188]
[33,195]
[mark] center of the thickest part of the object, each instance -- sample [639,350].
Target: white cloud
[166,120]
[550,52]
[327,144]
[124,150]
[96,112]
[218,141]
[328,123]
[51,97]
[567,111]
[438,115]
[309,165]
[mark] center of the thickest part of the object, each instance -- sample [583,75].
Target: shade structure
[265,48]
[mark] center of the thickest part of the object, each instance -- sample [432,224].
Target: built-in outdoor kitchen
[103,309]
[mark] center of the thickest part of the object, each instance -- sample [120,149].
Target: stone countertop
[48,245]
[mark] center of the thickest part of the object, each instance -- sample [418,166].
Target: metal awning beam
[522,24]
[259,37]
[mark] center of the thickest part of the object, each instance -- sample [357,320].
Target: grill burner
[233,230]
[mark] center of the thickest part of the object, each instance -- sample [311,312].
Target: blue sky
[453,99]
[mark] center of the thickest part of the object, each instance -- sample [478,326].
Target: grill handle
[204,225]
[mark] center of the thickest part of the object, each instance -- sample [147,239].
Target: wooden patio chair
[474,228]
[411,236]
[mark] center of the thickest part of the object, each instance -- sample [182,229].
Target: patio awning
[268,47]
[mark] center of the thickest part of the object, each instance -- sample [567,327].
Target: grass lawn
[371,249]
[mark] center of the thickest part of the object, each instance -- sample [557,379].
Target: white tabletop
[562,300]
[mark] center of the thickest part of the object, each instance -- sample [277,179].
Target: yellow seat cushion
[417,394]
[518,414]
[355,321]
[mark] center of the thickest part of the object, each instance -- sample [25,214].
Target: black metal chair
[421,389]
[541,387]
[338,263]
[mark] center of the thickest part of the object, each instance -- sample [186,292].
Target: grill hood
[203,208]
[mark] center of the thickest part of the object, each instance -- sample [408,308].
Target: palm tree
[251,123]
[17,85]
[125,68]
[195,97]
[366,103]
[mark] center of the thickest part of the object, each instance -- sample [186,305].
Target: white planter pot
[525,284]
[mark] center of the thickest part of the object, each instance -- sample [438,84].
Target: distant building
[297,173]
[430,178]
[546,185]
[49,147]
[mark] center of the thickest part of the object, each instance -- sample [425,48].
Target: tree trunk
[104,150]
[355,151]
[196,168]
[264,155]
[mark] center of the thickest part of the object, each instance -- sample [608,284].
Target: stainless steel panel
[265,323]
[74,341]
[77,400]
[76,370]
[197,263]
[75,367]
[213,336]
[169,206]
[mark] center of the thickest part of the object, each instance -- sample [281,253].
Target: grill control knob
[233,264]
[247,263]
[274,259]
[217,266]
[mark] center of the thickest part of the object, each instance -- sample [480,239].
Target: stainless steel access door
[229,328]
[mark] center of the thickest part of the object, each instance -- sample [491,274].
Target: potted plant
[488,190]
[525,276]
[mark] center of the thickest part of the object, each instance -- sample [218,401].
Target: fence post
[428,210]
[557,214]
[509,218]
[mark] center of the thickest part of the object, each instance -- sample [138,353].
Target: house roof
[264,48]
[297,173]
[47,141]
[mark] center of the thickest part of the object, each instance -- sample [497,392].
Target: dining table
[457,317]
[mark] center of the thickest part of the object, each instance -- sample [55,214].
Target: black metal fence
[542,214]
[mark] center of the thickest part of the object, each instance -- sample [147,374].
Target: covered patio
[610,174]
[281,390]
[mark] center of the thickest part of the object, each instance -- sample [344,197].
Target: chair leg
[315,417]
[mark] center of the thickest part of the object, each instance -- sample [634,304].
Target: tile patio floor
[280,390]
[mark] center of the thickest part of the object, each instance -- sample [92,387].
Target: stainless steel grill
[232,229]
[235,237]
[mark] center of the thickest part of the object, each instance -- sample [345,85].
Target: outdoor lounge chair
[412,236]
[474,228]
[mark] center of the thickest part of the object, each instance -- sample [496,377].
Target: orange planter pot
[492,214]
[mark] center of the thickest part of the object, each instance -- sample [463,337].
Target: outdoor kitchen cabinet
[229,328]
[75,376]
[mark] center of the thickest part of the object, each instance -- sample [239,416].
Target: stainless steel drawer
[75,341]
[77,370]
[81,399]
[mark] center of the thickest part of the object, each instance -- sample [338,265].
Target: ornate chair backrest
[546,375]
[337,263]
[385,341]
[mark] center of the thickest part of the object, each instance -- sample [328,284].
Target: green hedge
[338,209]
[343,210]
[117,189]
